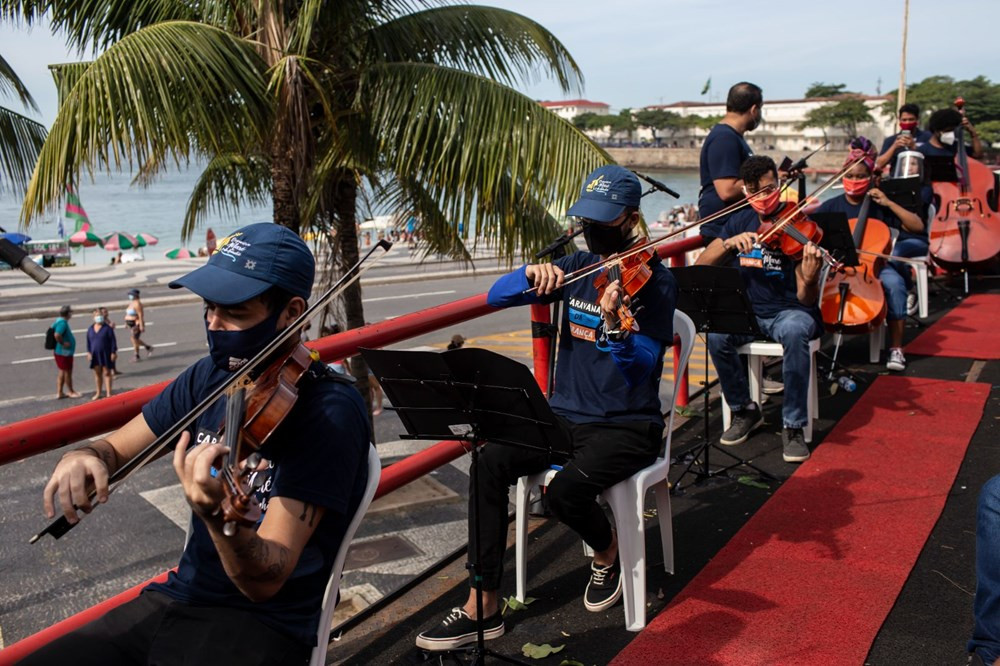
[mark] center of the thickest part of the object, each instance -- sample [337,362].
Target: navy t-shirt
[919,138]
[589,386]
[722,155]
[319,455]
[840,204]
[772,287]
[930,150]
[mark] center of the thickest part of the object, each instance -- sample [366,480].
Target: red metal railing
[44,433]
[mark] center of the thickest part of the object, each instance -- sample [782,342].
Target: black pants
[155,630]
[603,455]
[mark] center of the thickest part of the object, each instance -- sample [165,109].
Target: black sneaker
[459,629]
[744,422]
[794,447]
[604,588]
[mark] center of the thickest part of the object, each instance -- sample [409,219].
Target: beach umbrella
[178,253]
[120,241]
[15,237]
[86,238]
[145,238]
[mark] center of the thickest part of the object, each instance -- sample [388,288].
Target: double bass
[853,300]
[965,232]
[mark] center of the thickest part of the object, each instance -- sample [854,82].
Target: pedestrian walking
[102,350]
[111,324]
[65,348]
[136,322]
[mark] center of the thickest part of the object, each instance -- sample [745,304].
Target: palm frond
[21,140]
[171,88]
[484,149]
[227,182]
[499,44]
[95,25]
[408,197]
[10,84]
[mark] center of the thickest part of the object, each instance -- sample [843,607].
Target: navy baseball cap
[607,191]
[251,261]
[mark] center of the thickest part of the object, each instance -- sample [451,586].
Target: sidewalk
[17,290]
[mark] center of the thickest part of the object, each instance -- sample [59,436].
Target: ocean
[114,204]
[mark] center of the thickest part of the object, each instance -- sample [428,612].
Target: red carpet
[962,331]
[812,576]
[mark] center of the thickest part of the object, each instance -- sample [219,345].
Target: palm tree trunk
[343,192]
[285,203]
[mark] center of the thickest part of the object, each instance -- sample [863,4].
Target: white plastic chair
[755,352]
[318,656]
[626,500]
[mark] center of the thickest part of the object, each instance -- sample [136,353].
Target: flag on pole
[707,86]
[75,211]
[62,230]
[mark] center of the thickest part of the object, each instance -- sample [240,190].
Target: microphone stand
[18,258]
[657,185]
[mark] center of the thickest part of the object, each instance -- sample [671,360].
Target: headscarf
[862,147]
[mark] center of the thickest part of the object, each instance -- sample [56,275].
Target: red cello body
[965,232]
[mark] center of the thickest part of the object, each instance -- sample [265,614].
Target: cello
[965,233]
[853,300]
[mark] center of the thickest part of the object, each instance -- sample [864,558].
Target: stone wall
[687,158]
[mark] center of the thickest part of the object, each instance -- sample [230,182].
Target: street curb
[49,312]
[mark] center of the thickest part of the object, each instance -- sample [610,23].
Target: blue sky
[639,52]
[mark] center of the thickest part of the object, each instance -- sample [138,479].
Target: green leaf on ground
[570,662]
[539,651]
[686,412]
[513,604]
[747,480]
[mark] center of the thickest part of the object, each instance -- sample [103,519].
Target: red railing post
[681,389]
[541,322]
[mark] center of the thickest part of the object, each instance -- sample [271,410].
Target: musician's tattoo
[262,552]
[308,514]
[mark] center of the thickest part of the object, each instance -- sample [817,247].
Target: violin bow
[61,526]
[598,266]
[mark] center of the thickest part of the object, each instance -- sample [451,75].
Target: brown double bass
[965,232]
[853,300]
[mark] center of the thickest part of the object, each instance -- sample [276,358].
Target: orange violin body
[632,273]
[793,235]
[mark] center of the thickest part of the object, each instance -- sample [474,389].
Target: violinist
[253,597]
[942,126]
[862,178]
[724,150]
[910,136]
[784,294]
[606,395]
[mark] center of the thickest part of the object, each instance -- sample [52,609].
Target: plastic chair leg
[876,341]
[922,291]
[661,491]
[812,397]
[755,368]
[521,536]
[631,551]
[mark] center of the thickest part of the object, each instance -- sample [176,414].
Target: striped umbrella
[15,237]
[86,238]
[178,253]
[145,239]
[120,241]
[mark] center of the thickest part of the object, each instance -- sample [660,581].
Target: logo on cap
[233,247]
[599,185]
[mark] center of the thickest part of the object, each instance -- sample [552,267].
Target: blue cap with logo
[607,191]
[251,261]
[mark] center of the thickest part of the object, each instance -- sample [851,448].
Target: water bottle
[846,383]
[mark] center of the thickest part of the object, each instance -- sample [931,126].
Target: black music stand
[837,238]
[904,191]
[472,395]
[716,300]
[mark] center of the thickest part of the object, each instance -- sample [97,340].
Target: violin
[853,300]
[259,397]
[632,271]
[965,232]
[790,235]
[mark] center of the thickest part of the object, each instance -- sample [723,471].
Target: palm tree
[315,103]
[20,137]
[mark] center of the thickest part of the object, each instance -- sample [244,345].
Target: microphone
[557,244]
[656,184]
[18,258]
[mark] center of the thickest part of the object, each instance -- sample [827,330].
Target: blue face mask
[230,350]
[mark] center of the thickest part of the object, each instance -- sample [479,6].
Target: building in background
[572,108]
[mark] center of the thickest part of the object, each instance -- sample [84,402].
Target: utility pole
[901,93]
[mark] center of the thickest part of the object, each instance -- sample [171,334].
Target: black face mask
[230,350]
[603,239]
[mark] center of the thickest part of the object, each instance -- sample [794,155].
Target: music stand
[472,395]
[837,238]
[716,300]
[904,191]
[941,169]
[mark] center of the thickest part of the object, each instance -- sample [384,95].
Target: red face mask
[856,187]
[908,125]
[766,203]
